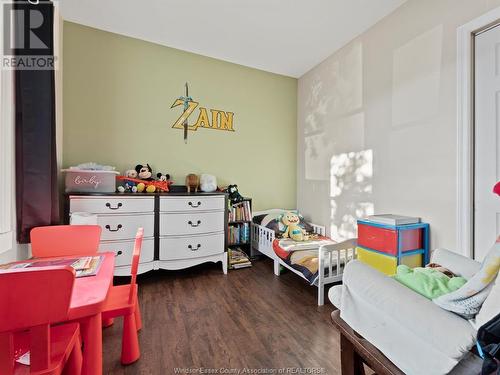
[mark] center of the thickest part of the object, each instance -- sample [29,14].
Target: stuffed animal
[141,186]
[234,195]
[144,172]
[131,173]
[163,177]
[291,221]
[192,182]
[208,183]
[130,185]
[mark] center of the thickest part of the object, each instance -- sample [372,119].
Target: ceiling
[287,37]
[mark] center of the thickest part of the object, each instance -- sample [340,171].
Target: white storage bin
[86,181]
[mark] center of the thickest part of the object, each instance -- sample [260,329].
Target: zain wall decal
[217,120]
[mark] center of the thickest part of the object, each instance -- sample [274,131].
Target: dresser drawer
[175,248]
[111,204]
[125,249]
[192,223]
[124,227]
[192,204]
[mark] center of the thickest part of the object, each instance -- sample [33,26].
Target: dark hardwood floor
[248,319]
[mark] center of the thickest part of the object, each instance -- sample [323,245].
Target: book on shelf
[238,259]
[240,211]
[239,233]
[390,219]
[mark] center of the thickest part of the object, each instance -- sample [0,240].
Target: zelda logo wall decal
[206,118]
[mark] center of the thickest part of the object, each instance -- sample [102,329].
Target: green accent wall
[117,94]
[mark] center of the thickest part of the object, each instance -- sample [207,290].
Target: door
[487,140]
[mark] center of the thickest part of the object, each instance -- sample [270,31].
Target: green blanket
[427,281]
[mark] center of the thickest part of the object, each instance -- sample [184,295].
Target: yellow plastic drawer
[385,263]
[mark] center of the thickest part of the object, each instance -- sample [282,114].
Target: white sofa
[418,336]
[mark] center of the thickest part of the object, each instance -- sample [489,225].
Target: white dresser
[180,230]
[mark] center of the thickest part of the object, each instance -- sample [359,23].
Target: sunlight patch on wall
[346,134]
[416,78]
[350,191]
[347,80]
[333,121]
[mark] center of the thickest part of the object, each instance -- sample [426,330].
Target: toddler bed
[320,260]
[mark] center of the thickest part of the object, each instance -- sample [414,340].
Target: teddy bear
[234,195]
[192,182]
[293,230]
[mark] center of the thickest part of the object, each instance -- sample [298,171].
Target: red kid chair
[32,299]
[122,301]
[65,240]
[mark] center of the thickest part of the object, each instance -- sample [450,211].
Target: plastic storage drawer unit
[388,264]
[384,247]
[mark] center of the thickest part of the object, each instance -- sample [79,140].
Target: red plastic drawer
[386,240]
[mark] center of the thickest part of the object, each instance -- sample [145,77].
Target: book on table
[83,266]
[390,219]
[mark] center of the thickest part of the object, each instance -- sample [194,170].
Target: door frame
[465,128]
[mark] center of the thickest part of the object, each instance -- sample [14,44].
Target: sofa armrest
[408,328]
[459,264]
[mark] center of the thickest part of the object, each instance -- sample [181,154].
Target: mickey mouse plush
[144,172]
[163,177]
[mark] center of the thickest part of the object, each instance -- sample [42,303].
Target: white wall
[377,122]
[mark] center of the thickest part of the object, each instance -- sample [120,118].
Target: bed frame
[332,258]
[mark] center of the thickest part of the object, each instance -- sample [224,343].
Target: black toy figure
[234,195]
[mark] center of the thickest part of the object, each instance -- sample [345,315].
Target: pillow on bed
[272,221]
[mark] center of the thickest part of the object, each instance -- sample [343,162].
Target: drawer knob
[190,247]
[108,205]
[118,227]
[119,252]
[193,224]
[195,205]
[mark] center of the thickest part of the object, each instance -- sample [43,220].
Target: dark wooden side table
[356,351]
